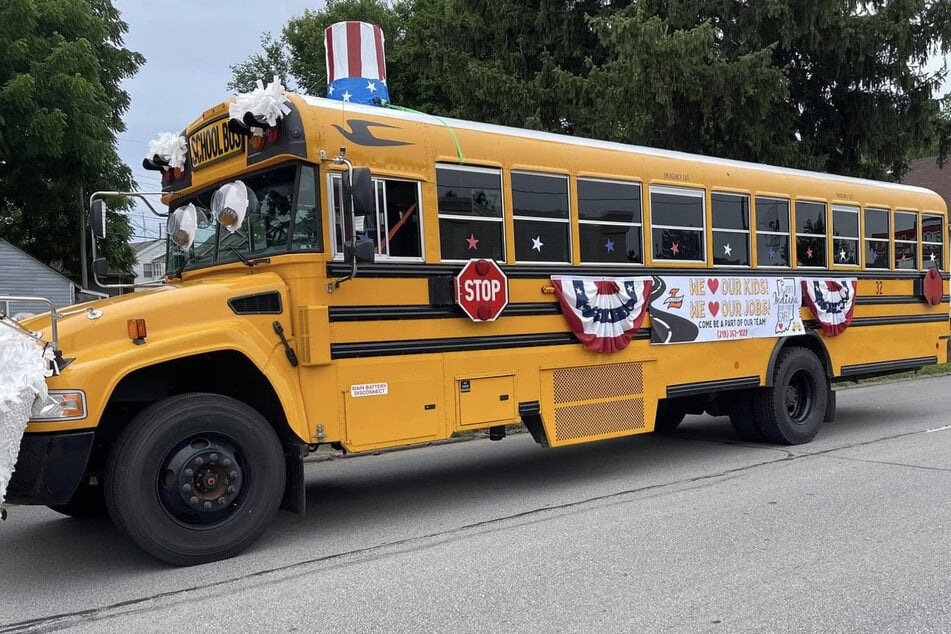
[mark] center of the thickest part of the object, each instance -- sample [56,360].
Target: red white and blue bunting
[603,312]
[831,301]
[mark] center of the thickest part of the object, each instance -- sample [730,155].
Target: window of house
[609,221]
[677,224]
[731,228]
[845,235]
[147,270]
[810,233]
[540,213]
[906,240]
[394,224]
[772,231]
[470,213]
[932,240]
[877,235]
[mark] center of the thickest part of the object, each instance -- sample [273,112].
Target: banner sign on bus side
[699,308]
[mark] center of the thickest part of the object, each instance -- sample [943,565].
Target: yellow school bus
[364,278]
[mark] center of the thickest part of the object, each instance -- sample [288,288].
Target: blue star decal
[772,254]
[609,245]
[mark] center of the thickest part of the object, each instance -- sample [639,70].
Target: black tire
[195,478]
[743,417]
[88,502]
[791,411]
[669,416]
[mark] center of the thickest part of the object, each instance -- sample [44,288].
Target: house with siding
[926,173]
[149,261]
[22,274]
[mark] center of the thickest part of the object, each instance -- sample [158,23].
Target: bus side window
[400,223]
[306,219]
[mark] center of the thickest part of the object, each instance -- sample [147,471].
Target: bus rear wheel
[791,411]
[195,478]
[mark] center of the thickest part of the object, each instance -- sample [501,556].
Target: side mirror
[360,250]
[97,219]
[359,191]
[99,266]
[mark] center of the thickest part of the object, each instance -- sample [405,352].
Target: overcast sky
[190,46]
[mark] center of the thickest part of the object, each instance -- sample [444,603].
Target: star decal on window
[727,249]
[675,248]
[473,242]
[609,245]
[537,244]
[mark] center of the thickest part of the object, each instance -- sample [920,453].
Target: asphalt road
[690,532]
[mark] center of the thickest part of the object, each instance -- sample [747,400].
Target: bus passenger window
[811,233]
[540,210]
[394,226]
[877,237]
[772,231]
[677,224]
[731,228]
[845,232]
[932,241]
[906,240]
[470,213]
[609,221]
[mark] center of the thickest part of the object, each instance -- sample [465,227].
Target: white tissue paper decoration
[171,147]
[230,204]
[183,225]
[24,365]
[268,103]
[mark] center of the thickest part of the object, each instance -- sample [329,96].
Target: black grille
[259,304]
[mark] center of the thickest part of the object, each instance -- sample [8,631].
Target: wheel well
[810,341]
[226,372]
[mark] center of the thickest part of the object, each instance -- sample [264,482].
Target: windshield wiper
[189,260]
[249,262]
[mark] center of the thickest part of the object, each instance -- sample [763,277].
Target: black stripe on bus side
[896,299]
[884,367]
[425,311]
[456,344]
[898,319]
[708,387]
[525,271]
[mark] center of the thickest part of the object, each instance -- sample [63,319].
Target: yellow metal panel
[313,335]
[486,400]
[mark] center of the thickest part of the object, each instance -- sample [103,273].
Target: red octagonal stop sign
[482,290]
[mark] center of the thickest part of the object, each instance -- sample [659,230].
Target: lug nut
[207,506]
[231,490]
[222,501]
[213,458]
[199,461]
[232,474]
[193,500]
[226,462]
[189,472]
[187,488]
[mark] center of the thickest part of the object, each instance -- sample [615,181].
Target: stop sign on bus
[482,290]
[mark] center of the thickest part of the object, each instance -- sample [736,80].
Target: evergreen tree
[61,106]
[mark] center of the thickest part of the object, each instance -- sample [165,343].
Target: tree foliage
[61,106]
[833,85]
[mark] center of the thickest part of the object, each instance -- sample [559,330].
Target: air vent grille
[258,304]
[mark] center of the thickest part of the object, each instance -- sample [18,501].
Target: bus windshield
[279,215]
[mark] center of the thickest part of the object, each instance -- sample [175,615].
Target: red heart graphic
[714,284]
[714,308]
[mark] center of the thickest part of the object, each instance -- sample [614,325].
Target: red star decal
[473,242]
[809,253]
[675,248]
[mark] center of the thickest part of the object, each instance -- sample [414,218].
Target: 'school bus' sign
[212,143]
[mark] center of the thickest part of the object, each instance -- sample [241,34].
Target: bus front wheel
[195,478]
[790,412]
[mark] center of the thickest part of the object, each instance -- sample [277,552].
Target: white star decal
[537,244]
[932,256]
[371,87]
[727,249]
[346,96]
[842,255]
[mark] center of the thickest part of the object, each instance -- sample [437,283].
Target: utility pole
[82,239]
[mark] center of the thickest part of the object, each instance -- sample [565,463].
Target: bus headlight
[68,405]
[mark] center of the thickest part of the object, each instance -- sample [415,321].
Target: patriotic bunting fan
[604,313]
[831,301]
